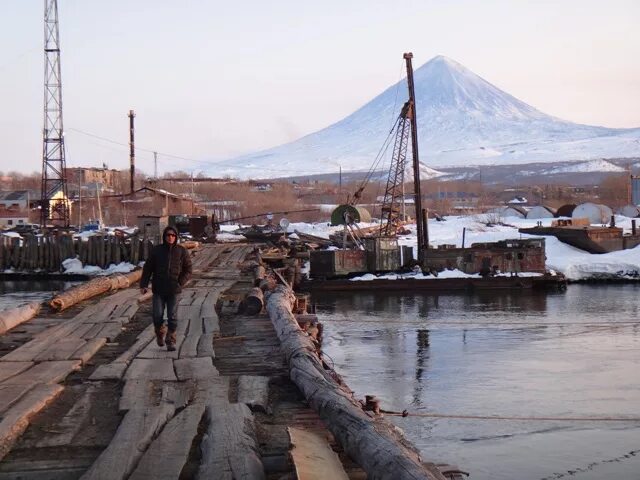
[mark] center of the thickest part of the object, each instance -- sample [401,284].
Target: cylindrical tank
[595,212]
[348,214]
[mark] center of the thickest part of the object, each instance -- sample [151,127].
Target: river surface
[552,363]
[14,293]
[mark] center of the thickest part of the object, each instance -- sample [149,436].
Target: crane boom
[393,195]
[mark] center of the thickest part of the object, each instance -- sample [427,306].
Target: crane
[405,125]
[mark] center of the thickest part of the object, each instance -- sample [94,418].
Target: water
[572,354]
[14,293]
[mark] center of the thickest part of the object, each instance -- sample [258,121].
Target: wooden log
[229,447]
[254,301]
[376,445]
[253,391]
[259,273]
[117,252]
[15,316]
[107,252]
[94,287]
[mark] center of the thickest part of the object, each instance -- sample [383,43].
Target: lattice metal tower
[54,185]
[394,194]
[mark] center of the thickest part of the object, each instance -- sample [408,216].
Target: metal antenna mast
[54,181]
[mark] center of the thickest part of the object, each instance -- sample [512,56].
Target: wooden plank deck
[181,414]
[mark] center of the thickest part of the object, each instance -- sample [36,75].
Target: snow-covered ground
[574,263]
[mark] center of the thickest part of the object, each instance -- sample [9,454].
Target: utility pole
[155,165]
[132,150]
[54,168]
[421,228]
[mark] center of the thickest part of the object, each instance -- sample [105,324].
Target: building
[19,199]
[110,179]
[10,218]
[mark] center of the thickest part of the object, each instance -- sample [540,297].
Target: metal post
[422,235]
[155,165]
[464,232]
[132,150]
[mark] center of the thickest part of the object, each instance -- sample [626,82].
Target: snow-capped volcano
[462,120]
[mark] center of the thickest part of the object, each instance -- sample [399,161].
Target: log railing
[375,444]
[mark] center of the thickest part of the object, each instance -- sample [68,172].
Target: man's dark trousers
[159,303]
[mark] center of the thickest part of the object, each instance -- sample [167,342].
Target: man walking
[169,268]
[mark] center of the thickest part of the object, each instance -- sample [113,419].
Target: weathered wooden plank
[229,447]
[205,346]
[73,421]
[62,349]
[9,369]
[88,350]
[93,331]
[167,454]
[109,371]
[313,458]
[40,342]
[151,393]
[253,391]
[81,329]
[110,331]
[211,324]
[199,368]
[152,369]
[16,419]
[142,341]
[45,372]
[10,394]
[138,427]
[189,347]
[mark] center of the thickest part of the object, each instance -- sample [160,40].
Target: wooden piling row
[47,252]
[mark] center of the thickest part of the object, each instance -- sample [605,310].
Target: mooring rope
[405,413]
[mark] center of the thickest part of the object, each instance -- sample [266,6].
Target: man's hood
[169,229]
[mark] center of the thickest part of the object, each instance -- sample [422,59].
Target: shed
[566,210]
[595,212]
[152,226]
[541,211]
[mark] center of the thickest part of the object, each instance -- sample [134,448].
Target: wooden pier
[87,393]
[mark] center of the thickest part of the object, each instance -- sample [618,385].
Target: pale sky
[211,80]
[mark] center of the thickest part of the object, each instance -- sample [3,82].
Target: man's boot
[161,332]
[171,340]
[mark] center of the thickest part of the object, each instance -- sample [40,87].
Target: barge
[547,282]
[593,239]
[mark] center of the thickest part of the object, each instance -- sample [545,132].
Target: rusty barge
[593,239]
[506,264]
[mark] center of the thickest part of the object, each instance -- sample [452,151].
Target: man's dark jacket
[168,267]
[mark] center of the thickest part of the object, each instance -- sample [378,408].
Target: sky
[210,80]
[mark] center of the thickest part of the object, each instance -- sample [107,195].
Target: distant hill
[462,120]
